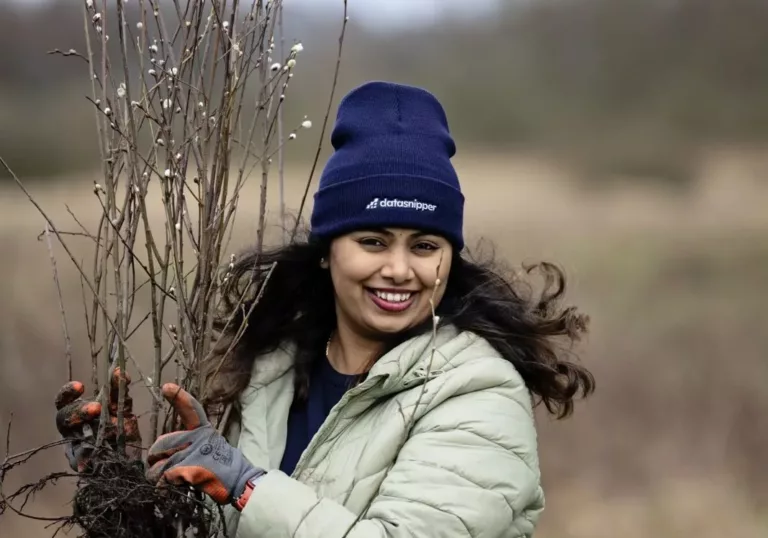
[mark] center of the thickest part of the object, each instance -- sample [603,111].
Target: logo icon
[417,205]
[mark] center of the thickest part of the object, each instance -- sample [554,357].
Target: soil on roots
[115,500]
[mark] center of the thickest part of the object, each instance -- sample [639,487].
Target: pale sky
[390,12]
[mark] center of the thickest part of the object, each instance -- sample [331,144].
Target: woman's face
[384,279]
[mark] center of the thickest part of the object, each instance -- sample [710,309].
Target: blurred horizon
[392,14]
[579,82]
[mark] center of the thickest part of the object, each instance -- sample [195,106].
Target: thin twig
[325,123]
[65,330]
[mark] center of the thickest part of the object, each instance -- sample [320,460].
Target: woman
[384,384]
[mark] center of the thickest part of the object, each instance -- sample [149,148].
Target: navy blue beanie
[391,166]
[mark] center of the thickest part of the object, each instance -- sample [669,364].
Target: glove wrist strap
[250,484]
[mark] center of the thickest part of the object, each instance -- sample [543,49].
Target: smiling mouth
[391,301]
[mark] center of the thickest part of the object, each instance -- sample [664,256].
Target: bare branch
[325,122]
[65,330]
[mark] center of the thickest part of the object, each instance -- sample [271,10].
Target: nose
[397,266]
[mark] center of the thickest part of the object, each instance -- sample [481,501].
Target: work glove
[78,419]
[198,455]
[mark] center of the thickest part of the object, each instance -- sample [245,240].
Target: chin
[389,327]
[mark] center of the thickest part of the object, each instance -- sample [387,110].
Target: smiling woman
[384,281]
[359,410]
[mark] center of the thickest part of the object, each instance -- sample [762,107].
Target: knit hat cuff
[403,201]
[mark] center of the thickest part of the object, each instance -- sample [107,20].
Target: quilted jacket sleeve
[468,469]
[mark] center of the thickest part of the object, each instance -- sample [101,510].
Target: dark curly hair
[283,295]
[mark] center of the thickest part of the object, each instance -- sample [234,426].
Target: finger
[76,415]
[158,469]
[169,442]
[69,393]
[131,433]
[114,391]
[167,453]
[131,430]
[127,405]
[117,373]
[155,473]
[191,412]
[200,477]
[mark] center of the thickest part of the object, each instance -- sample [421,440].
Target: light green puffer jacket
[462,463]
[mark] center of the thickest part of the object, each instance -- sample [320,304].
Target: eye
[425,246]
[371,242]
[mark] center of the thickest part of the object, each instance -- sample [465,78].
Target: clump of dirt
[115,500]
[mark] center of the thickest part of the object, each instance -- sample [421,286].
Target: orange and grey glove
[77,419]
[199,455]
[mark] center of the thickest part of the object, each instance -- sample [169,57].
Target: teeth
[393,297]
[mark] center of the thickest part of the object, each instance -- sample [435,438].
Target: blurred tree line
[614,87]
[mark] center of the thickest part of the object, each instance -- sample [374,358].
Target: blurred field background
[623,139]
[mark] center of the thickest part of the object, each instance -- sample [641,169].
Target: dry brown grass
[671,445]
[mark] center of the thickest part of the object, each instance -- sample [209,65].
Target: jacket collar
[405,366]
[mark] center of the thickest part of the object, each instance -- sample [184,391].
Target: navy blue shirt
[326,387]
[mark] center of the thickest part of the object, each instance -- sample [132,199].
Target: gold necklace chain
[328,347]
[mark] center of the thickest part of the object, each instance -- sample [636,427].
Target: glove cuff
[243,492]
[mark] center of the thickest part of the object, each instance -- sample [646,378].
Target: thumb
[191,412]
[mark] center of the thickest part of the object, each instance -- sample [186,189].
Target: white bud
[167,172]
[166,104]
[174,71]
[178,156]
[178,226]
[139,25]
[275,66]
[96,17]
[291,63]
[201,104]
[306,124]
[298,47]
[160,142]
[152,72]
[121,90]
[292,136]
[108,111]
[153,48]
[225,24]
